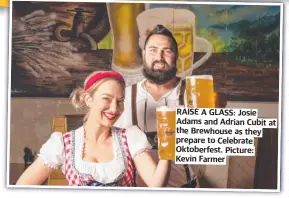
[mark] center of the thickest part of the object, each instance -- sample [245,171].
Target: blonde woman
[98,154]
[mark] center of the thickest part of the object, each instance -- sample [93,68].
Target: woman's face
[106,104]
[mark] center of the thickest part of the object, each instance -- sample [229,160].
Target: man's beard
[159,76]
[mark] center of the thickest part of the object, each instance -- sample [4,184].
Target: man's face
[159,59]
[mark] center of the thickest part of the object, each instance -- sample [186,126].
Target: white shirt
[143,98]
[53,155]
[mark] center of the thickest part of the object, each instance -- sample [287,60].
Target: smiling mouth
[159,66]
[110,116]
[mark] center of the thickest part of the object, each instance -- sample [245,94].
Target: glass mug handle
[185,100]
[208,48]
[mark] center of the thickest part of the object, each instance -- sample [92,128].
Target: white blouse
[53,155]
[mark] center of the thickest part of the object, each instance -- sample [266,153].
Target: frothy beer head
[199,77]
[165,108]
[166,118]
[200,91]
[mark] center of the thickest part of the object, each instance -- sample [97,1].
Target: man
[160,87]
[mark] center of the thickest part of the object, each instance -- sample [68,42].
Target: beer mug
[181,23]
[200,92]
[127,55]
[166,128]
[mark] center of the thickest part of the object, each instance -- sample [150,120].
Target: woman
[97,153]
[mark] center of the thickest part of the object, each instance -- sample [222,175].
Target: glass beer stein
[166,128]
[184,35]
[200,92]
[126,51]
[181,22]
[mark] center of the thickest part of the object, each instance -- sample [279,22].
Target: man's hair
[161,30]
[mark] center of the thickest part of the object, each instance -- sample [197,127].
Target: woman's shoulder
[72,132]
[128,130]
[134,129]
[136,140]
[67,134]
[56,138]
[60,137]
[118,129]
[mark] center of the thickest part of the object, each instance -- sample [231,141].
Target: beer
[182,24]
[166,126]
[184,35]
[126,50]
[200,91]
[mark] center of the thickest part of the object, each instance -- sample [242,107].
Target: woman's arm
[35,174]
[153,175]
[52,153]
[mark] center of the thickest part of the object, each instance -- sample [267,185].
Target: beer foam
[169,108]
[207,77]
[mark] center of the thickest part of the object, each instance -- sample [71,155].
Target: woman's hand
[35,174]
[153,175]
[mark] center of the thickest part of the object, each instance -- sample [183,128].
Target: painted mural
[56,44]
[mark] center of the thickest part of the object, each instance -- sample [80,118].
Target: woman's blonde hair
[77,96]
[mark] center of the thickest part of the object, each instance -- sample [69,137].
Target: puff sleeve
[52,151]
[137,141]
